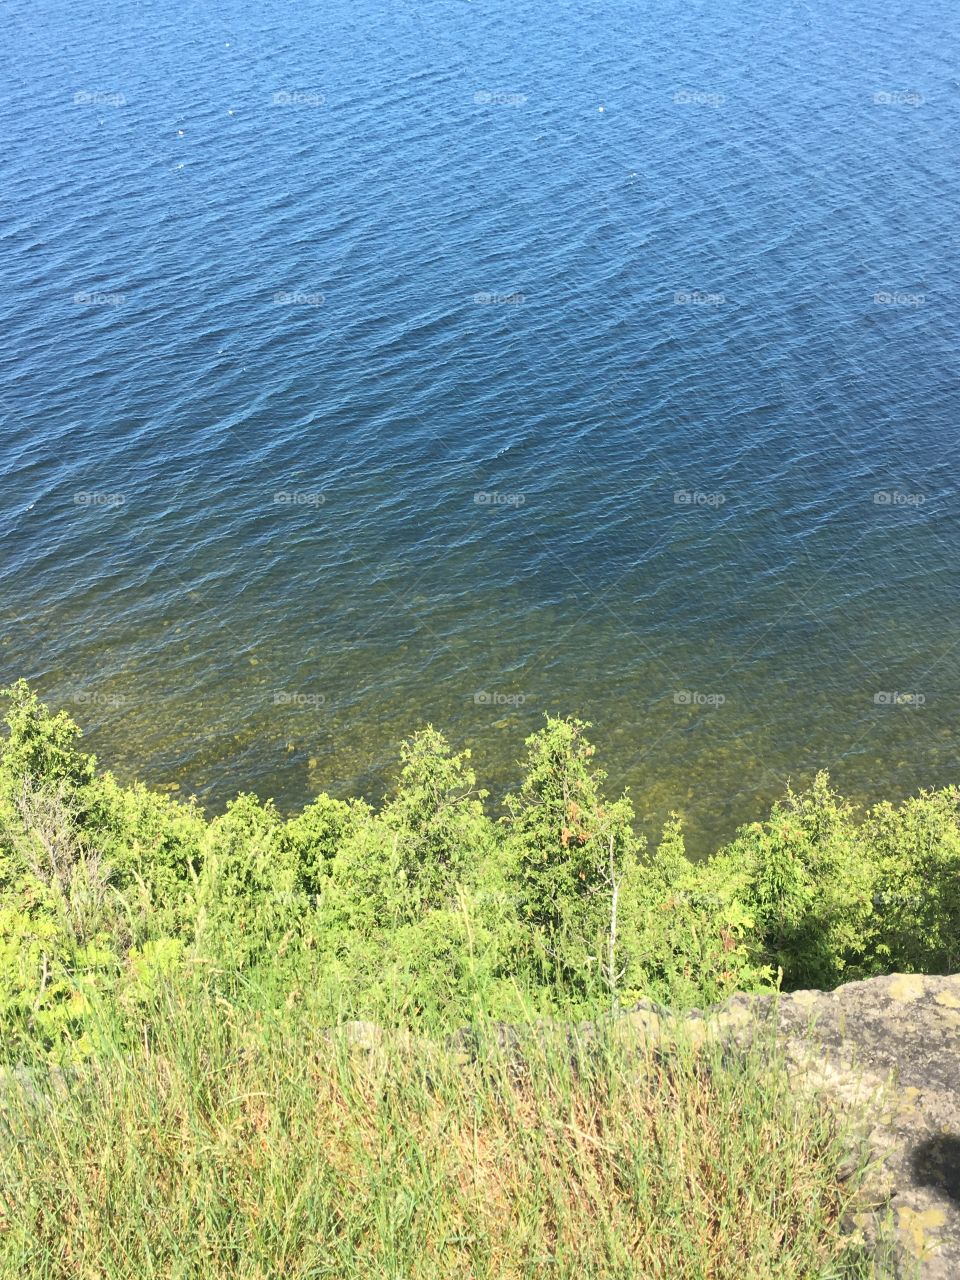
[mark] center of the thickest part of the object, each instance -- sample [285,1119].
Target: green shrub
[915,850]
[689,934]
[316,833]
[426,908]
[41,747]
[570,853]
[809,887]
[249,896]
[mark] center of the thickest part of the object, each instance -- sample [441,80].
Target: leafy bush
[689,932]
[571,852]
[428,908]
[915,850]
[808,887]
[248,894]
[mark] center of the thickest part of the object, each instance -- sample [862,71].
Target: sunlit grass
[219,1139]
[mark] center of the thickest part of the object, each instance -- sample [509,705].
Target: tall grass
[214,1137]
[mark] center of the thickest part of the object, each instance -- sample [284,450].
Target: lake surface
[368,364]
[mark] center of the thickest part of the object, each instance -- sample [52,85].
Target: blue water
[375,363]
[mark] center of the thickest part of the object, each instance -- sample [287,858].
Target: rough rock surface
[888,1049]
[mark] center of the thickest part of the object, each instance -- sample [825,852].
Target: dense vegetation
[232,1139]
[428,908]
[174,1103]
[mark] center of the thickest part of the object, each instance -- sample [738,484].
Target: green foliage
[235,1137]
[915,853]
[688,931]
[63,925]
[154,845]
[316,833]
[401,914]
[249,898]
[436,825]
[809,887]
[40,747]
[570,852]
[426,908]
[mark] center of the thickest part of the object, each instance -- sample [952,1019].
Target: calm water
[355,356]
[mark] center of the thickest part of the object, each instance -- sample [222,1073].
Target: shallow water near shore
[366,366]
